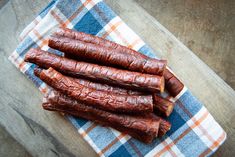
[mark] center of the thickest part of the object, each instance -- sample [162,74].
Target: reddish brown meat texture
[99,86]
[106,87]
[57,97]
[164,106]
[172,83]
[160,105]
[100,99]
[145,128]
[164,127]
[109,75]
[106,55]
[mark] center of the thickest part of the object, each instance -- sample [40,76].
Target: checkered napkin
[194,131]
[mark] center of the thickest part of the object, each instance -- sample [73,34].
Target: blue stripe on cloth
[121,152]
[147,51]
[44,12]
[57,52]
[102,13]
[176,123]
[68,8]
[78,18]
[30,74]
[179,131]
[102,32]
[105,136]
[88,24]
[192,141]
[77,122]
[25,45]
[189,103]
[133,146]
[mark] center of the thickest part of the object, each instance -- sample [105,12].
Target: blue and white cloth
[194,131]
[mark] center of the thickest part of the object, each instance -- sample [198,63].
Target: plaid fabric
[194,131]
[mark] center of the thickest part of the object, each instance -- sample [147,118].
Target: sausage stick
[173,84]
[69,104]
[164,106]
[100,86]
[100,99]
[160,104]
[57,97]
[109,75]
[107,55]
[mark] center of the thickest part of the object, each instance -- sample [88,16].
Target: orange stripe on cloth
[113,27]
[121,37]
[169,149]
[205,132]
[21,65]
[58,19]
[135,148]
[43,41]
[132,45]
[35,21]
[89,129]
[74,15]
[119,137]
[44,89]
[37,34]
[198,122]
[214,145]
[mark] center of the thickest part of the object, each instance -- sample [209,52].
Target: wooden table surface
[49,134]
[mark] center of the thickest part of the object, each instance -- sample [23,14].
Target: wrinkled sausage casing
[109,75]
[144,128]
[87,46]
[162,105]
[49,60]
[100,99]
[173,84]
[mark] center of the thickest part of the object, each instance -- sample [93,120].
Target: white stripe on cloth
[89,140]
[212,133]
[30,27]
[90,4]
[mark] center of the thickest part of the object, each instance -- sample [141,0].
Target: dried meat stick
[107,55]
[109,75]
[164,106]
[110,120]
[164,127]
[100,86]
[161,105]
[61,99]
[100,99]
[43,58]
[172,83]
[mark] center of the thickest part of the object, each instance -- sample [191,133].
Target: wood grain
[41,132]
[206,27]
[49,134]
[211,90]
